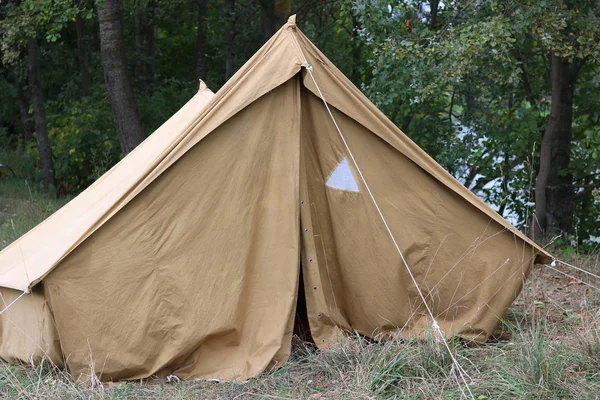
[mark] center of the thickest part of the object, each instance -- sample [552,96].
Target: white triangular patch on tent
[342,178]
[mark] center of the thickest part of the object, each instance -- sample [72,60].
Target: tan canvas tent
[188,261]
[27,330]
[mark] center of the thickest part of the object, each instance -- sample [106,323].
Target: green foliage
[470,86]
[163,101]
[30,19]
[83,141]
[8,109]
[472,89]
[20,164]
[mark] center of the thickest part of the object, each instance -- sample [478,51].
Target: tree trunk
[23,111]
[267,18]
[283,10]
[560,191]
[84,72]
[230,38]
[201,39]
[37,97]
[433,16]
[273,14]
[140,42]
[505,168]
[356,52]
[145,41]
[151,36]
[122,101]
[554,193]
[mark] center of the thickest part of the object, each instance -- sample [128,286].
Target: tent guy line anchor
[435,325]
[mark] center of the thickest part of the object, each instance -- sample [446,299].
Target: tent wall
[468,266]
[27,331]
[198,275]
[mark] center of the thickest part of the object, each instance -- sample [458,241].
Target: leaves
[470,86]
[475,87]
[32,19]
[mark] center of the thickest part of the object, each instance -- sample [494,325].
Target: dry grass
[548,347]
[543,352]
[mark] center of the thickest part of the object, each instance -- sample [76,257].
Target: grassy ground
[548,347]
[22,205]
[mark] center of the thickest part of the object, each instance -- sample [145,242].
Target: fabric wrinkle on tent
[185,258]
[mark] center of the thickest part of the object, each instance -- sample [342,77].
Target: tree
[23,111]
[273,15]
[201,39]
[145,39]
[470,82]
[84,73]
[39,112]
[554,183]
[230,33]
[505,74]
[122,100]
[569,32]
[24,23]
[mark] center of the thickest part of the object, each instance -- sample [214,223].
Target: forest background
[504,94]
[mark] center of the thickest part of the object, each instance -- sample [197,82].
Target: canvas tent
[187,261]
[27,330]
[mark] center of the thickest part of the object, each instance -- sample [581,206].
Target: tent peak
[202,86]
[292,20]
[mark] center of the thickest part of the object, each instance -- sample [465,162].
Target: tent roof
[29,259]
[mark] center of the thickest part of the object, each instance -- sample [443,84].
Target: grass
[22,207]
[547,347]
[22,204]
[533,364]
